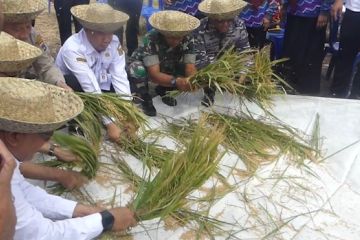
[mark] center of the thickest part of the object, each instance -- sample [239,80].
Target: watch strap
[52,149]
[107,220]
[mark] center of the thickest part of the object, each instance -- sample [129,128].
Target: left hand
[183,84]
[322,21]
[72,180]
[266,23]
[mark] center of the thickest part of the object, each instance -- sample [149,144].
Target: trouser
[304,46]
[256,36]
[72,82]
[133,9]
[63,15]
[349,47]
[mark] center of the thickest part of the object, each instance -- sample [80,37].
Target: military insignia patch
[39,42]
[120,51]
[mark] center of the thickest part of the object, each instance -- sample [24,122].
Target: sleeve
[242,41]
[118,73]
[81,70]
[189,54]
[44,65]
[151,56]
[326,6]
[38,215]
[271,9]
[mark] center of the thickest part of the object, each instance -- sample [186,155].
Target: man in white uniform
[29,113]
[93,60]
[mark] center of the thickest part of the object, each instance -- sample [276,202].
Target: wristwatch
[107,220]
[173,82]
[51,151]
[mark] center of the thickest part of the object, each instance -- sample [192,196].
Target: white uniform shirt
[44,216]
[95,71]
[353,5]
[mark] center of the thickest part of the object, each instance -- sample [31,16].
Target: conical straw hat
[16,55]
[173,23]
[221,9]
[22,10]
[99,17]
[29,106]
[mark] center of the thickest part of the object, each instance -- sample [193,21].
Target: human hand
[266,23]
[168,2]
[336,10]
[64,85]
[71,179]
[62,154]
[322,21]
[113,132]
[124,218]
[7,164]
[183,84]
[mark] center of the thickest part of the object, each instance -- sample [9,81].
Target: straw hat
[29,106]
[99,17]
[173,23]
[22,10]
[221,9]
[16,55]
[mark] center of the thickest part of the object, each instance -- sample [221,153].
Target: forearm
[7,216]
[190,70]
[83,210]
[39,172]
[162,79]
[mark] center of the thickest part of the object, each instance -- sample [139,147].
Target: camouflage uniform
[155,51]
[43,68]
[209,42]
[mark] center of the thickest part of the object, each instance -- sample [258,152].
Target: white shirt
[44,216]
[95,71]
[353,5]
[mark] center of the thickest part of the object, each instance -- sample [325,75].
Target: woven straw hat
[29,106]
[173,23]
[16,55]
[221,9]
[22,10]
[99,17]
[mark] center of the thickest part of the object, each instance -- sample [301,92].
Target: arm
[7,216]
[242,42]
[336,9]
[117,70]
[324,13]
[69,179]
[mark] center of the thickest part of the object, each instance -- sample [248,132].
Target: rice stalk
[248,74]
[178,177]
[85,153]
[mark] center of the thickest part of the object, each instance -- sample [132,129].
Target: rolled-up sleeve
[81,71]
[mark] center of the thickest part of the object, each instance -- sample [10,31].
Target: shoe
[147,106]
[207,101]
[170,101]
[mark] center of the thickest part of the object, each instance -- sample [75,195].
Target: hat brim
[185,24]
[107,25]
[221,14]
[66,105]
[25,13]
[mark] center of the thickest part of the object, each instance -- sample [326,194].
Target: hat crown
[9,43]
[24,98]
[100,12]
[22,10]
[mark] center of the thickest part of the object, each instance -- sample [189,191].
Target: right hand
[336,9]
[124,218]
[183,84]
[7,164]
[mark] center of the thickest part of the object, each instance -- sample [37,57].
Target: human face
[99,40]
[24,145]
[222,26]
[19,31]
[173,41]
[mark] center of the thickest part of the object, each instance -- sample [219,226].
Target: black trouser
[256,36]
[63,15]
[72,82]
[304,46]
[133,9]
[349,47]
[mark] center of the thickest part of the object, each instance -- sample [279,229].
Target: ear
[12,139]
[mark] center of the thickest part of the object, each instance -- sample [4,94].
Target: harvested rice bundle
[247,74]
[96,106]
[179,176]
[85,153]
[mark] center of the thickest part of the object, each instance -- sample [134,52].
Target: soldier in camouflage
[219,31]
[166,59]
[17,22]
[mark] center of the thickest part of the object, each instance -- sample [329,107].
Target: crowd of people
[94,60]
